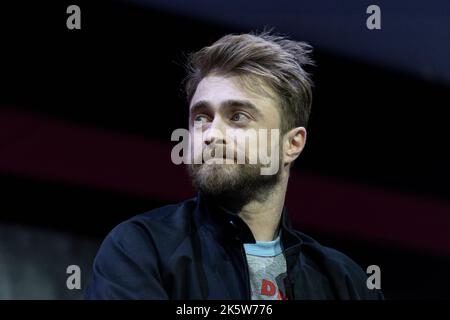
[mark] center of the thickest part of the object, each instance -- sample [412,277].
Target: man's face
[223,112]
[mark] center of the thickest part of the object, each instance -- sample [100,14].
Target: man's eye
[200,119]
[239,116]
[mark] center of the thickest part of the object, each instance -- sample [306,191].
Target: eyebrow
[245,104]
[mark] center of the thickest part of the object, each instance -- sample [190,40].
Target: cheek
[195,144]
[244,139]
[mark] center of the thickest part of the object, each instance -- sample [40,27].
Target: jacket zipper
[287,283]
[247,274]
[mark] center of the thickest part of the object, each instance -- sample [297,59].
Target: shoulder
[349,279]
[157,220]
[160,228]
[129,263]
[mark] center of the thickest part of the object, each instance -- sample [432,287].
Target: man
[234,240]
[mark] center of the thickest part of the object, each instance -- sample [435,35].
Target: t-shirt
[267,268]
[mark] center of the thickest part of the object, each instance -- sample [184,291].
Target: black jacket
[193,250]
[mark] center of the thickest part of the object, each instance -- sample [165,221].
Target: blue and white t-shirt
[267,267]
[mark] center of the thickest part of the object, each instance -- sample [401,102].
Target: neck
[263,215]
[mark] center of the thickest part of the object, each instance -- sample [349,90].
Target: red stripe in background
[36,146]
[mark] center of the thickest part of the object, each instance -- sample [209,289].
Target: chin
[217,173]
[216,178]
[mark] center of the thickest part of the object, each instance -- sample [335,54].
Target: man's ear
[294,142]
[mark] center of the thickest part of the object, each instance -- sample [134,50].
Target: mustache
[214,152]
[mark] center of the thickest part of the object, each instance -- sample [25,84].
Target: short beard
[232,182]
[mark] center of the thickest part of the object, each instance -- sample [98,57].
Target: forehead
[216,88]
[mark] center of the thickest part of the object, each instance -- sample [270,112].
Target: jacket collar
[229,226]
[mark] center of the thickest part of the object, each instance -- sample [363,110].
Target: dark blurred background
[86,118]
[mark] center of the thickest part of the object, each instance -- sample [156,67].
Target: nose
[215,133]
